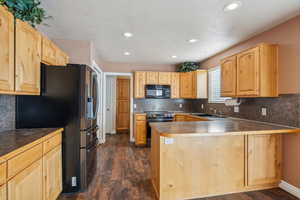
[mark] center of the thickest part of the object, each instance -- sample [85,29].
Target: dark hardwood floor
[123,173]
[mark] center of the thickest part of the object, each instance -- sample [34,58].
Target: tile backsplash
[282,110]
[7,112]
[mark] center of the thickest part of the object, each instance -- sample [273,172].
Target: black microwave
[157,91]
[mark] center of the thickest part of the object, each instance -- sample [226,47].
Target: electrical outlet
[180,105]
[74,181]
[264,111]
[169,140]
[134,106]
[202,106]
[236,109]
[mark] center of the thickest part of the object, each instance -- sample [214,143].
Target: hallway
[124,174]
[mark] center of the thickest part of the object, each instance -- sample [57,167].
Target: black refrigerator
[69,99]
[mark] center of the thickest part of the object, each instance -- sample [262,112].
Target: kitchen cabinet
[28,59]
[7,73]
[28,184]
[183,117]
[256,72]
[140,129]
[52,171]
[3,194]
[164,78]
[228,77]
[264,159]
[49,52]
[152,78]
[187,85]
[62,58]
[175,85]
[139,84]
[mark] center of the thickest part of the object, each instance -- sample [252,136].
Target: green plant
[188,67]
[26,10]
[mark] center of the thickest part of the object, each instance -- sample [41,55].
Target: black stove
[157,116]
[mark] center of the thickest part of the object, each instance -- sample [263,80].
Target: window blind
[214,86]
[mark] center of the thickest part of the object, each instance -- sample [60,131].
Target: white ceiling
[161,28]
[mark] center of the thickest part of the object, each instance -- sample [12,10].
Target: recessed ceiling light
[127,34]
[174,56]
[126,53]
[192,40]
[232,6]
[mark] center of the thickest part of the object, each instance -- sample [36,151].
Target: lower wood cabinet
[140,129]
[52,171]
[33,172]
[28,184]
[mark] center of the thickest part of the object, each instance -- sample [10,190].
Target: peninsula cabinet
[139,84]
[28,59]
[7,74]
[256,72]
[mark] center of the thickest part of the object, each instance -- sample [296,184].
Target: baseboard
[290,188]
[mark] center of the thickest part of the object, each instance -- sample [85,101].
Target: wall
[143,105]
[128,67]
[7,112]
[287,36]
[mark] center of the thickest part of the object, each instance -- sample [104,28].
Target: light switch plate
[169,140]
[74,181]
[134,106]
[236,109]
[202,106]
[264,111]
[180,105]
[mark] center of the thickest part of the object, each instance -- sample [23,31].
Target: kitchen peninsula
[207,158]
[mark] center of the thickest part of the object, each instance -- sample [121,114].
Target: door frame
[130,75]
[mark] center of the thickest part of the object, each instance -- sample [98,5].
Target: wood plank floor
[123,173]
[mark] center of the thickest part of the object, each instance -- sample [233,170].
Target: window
[214,86]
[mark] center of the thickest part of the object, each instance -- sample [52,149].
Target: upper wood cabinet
[139,84]
[164,78]
[256,72]
[188,85]
[175,85]
[28,58]
[49,51]
[228,77]
[151,78]
[7,74]
[62,58]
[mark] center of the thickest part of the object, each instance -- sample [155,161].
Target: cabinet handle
[0,22]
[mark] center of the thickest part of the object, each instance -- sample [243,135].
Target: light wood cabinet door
[52,171]
[28,184]
[28,58]
[175,85]
[7,74]
[187,85]
[139,84]
[151,78]
[3,192]
[248,73]
[264,159]
[49,51]
[62,58]
[140,130]
[164,78]
[228,77]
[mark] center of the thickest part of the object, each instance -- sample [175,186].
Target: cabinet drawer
[2,173]
[140,117]
[52,143]
[23,160]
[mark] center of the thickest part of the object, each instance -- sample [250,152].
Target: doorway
[117,104]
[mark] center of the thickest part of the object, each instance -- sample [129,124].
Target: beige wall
[287,35]
[128,67]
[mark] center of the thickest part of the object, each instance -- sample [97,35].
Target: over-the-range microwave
[158,91]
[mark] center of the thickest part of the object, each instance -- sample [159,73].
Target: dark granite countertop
[14,139]
[219,127]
